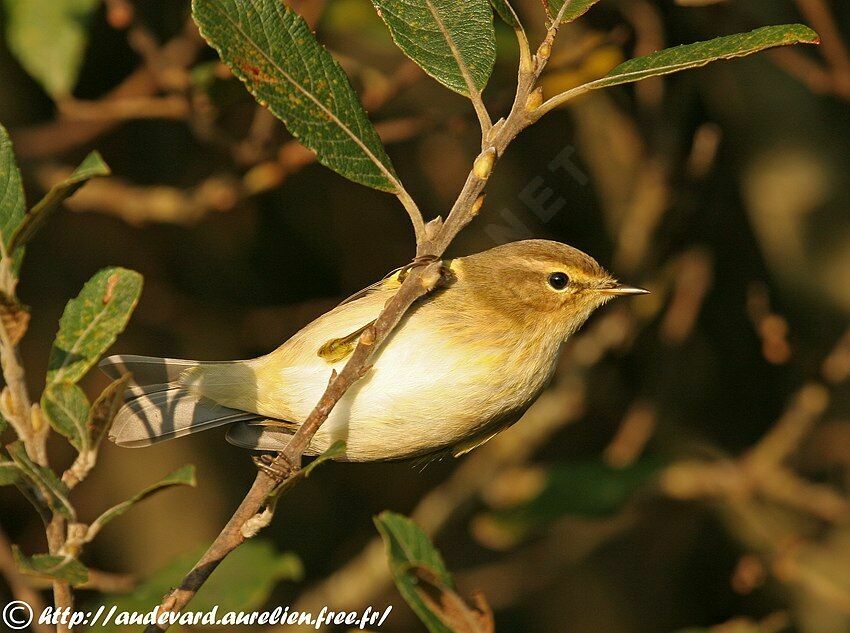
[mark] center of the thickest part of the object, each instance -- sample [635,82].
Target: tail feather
[148,370]
[158,407]
[260,436]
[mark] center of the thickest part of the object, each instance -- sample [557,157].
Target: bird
[464,363]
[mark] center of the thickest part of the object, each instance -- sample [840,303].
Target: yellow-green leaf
[671,60]
[409,549]
[183,476]
[91,322]
[38,216]
[271,49]
[452,40]
[12,202]
[49,39]
[51,491]
[67,409]
[505,11]
[572,11]
[54,567]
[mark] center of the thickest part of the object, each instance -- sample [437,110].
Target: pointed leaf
[49,39]
[103,411]
[671,60]
[52,491]
[573,10]
[12,202]
[410,550]
[48,566]
[183,476]
[67,409]
[270,48]
[452,40]
[38,216]
[91,322]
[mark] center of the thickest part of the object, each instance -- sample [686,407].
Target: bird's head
[538,283]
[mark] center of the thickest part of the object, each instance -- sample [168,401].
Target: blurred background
[688,468]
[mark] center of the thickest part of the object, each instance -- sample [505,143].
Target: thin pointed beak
[621,291]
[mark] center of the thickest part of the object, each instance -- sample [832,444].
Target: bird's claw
[266,463]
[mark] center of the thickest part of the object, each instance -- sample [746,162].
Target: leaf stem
[413,211]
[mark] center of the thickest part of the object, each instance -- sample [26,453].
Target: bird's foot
[266,462]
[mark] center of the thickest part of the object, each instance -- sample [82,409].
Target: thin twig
[128,108]
[833,45]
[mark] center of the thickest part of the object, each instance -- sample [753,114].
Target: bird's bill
[620,290]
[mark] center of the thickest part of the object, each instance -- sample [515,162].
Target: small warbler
[465,363]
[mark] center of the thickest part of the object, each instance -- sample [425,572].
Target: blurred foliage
[243,582]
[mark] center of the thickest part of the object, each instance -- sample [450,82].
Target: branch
[833,45]
[15,402]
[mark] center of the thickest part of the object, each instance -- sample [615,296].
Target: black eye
[559,280]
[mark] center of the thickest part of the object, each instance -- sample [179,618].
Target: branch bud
[484,163]
[533,101]
[476,206]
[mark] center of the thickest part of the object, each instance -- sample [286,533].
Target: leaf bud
[484,163]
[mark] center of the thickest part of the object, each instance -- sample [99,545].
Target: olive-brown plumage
[464,363]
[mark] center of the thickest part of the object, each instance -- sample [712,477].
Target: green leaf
[38,216]
[671,60]
[574,10]
[505,11]
[452,40]
[183,476]
[91,322]
[51,490]
[48,566]
[334,450]
[12,201]
[9,472]
[409,549]
[104,410]
[67,410]
[270,48]
[243,582]
[49,39]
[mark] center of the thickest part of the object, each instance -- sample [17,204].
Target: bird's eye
[559,280]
